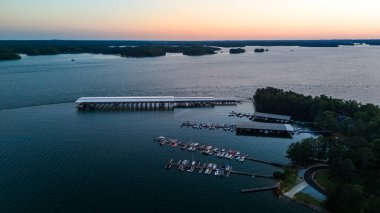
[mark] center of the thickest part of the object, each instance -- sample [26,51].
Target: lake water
[55,159]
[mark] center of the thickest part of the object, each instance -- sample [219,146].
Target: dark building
[264,129]
[271,118]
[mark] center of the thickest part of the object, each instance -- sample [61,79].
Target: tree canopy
[353,152]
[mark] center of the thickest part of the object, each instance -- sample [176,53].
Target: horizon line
[159,40]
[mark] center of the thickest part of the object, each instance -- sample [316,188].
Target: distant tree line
[11,49]
[353,152]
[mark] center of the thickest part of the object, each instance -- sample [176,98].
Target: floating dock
[209,168]
[209,150]
[265,162]
[150,102]
[270,188]
[271,118]
[209,126]
[263,117]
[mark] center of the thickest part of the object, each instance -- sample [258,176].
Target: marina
[107,160]
[210,168]
[149,102]
[271,118]
[262,117]
[214,151]
[209,126]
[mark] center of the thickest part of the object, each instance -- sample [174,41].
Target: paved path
[299,187]
[309,174]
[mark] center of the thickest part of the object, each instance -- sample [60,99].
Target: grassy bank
[290,179]
[323,179]
[307,199]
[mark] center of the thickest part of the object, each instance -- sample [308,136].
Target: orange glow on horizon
[191,20]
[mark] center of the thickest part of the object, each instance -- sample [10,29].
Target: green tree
[351,199]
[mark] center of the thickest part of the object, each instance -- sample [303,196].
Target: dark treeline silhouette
[260,50]
[7,54]
[10,48]
[300,107]
[237,51]
[352,152]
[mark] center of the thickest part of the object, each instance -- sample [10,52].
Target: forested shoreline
[352,152]
[10,49]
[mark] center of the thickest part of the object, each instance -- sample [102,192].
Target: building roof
[187,99]
[272,116]
[148,99]
[126,99]
[265,126]
[228,99]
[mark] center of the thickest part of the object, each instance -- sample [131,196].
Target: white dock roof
[150,99]
[273,116]
[265,126]
[187,99]
[126,99]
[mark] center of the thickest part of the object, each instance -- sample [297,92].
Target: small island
[260,50]
[237,51]
[199,50]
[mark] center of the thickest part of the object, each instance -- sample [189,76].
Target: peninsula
[352,152]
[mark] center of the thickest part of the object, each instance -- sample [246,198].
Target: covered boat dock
[264,129]
[149,102]
[272,118]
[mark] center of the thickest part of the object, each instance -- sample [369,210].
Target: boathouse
[264,129]
[271,118]
[149,102]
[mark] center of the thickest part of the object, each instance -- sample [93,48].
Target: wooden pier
[318,132]
[260,189]
[201,168]
[266,162]
[149,102]
[251,174]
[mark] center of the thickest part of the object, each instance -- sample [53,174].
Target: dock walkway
[260,189]
[200,167]
[150,102]
[299,187]
[266,162]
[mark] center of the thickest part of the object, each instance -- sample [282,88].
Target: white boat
[217,172]
[207,170]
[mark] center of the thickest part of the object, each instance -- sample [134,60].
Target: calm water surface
[55,159]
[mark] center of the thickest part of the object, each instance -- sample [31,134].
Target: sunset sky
[189,19]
